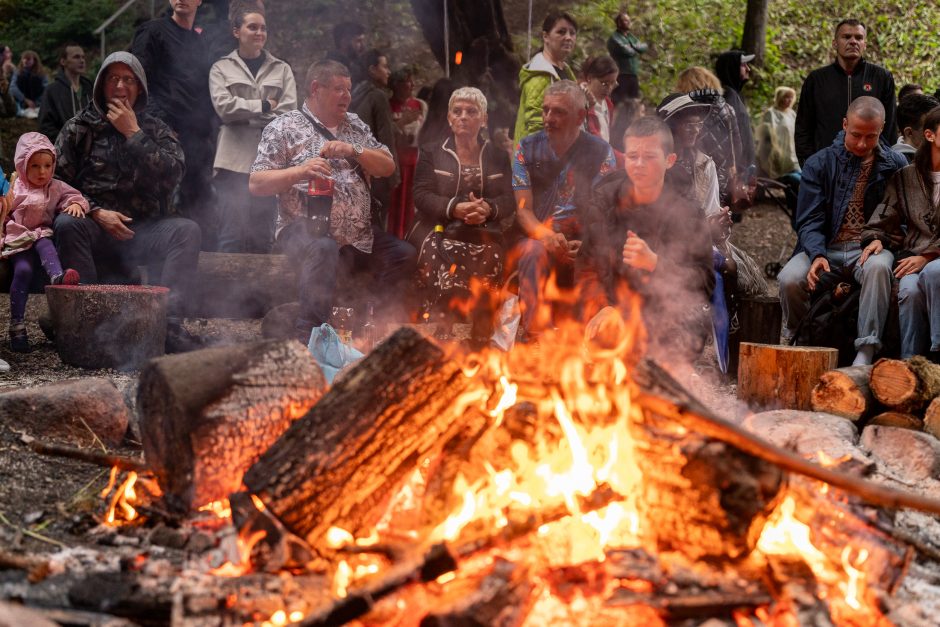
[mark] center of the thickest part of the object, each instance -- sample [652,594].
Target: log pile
[891,393]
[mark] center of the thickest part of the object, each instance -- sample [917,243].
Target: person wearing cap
[828,91]
[733,71]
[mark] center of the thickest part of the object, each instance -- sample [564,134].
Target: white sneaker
[4,366]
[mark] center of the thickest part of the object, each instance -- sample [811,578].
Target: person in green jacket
[625,48]
[559,32]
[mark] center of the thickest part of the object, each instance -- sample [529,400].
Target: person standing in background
[408,113]
[625,49]
[67,95]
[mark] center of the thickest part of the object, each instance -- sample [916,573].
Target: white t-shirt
[603,121]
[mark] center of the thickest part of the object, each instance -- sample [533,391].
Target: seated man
[127,164]
[644,236]
[324,141]
[841,187]
[552,173]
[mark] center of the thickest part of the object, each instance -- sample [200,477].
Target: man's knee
[908,290]
[792,278]
[321,249]
[187,234]
[68,229]
[930,276]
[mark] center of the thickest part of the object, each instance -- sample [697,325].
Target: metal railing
[101,30]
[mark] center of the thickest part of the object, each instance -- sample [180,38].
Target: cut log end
[844,392]
[893,382]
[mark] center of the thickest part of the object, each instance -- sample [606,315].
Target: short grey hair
[570,89]
[469,94]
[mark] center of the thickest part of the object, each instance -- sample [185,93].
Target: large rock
[913,455]
[807,432]
[77,410]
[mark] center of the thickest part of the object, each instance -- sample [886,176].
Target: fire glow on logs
[538,487]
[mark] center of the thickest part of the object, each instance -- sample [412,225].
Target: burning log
[83,411]
[906,385]
[500,597]
[242,285]
[334,465]
[782,377]
[898,419]
[845,392]
[206,416]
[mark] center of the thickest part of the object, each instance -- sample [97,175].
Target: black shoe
[179,340]
[19,340]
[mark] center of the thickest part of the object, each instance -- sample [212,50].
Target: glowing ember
[458,58]
[121,501]
[220,508]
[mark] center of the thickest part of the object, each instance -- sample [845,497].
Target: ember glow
[124,500]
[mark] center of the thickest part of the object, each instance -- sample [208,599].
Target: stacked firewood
[893,392]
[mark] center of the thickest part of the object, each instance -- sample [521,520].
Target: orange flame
[122,500]
[458,58]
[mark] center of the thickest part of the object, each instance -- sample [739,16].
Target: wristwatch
[357,149]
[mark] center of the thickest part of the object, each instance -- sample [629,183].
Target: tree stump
[782,377]
[206,416]
[907,385]
[336,464]
[241,285]
[845,392]
[108,326]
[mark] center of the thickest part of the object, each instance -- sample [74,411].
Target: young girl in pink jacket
[37,198]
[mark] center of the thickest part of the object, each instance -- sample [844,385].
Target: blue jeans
[919,304]
[875,277]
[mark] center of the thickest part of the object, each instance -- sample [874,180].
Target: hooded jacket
[60,104]
[34,208]
[905,221]
[728,71]
[825,97]
[827,186]
[135,176]
[534,78]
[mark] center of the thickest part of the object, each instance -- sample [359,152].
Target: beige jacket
[237,95]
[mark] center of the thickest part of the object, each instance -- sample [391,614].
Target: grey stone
[807,432]
[913,455]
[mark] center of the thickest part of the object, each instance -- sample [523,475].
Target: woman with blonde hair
[776,146]
[28,84]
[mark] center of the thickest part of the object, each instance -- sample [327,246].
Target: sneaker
[69,277]
[19,340]
[179,340]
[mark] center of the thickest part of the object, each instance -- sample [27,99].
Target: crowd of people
[419,207]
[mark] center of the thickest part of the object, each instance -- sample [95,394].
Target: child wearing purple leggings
[37,197]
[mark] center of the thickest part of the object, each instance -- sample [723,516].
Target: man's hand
[819,265]
[910,265]
[122,117]
[337,150]
[74,210]
[719,224]
[872,249]
[637,253]
[114,224]
[556,244]
[310,168]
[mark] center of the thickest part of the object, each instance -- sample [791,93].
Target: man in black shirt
[175,57]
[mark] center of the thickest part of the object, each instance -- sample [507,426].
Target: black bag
[832,319]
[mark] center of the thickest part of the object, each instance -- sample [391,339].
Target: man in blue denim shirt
[841,187]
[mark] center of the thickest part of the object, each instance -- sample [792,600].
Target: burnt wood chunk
[337,463]
[845,392]
[206,416]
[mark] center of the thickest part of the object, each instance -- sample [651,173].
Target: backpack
[832,319]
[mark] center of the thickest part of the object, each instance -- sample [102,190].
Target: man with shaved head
[842,184]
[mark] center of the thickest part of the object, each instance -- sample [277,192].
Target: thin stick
[94,436]
[106,460]
[31,534]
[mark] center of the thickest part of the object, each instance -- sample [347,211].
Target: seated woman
[28,84]
[776,148]
[463,205]
[906,222]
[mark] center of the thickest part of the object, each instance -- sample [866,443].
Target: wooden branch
[36,567]
[98,458]
[696,416]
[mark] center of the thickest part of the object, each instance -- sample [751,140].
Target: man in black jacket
[68,93]
[175,57]
[828,91]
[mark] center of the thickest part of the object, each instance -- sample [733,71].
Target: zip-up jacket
[826,188]
[825,97]
[534,78]
[60,104]
[906,221]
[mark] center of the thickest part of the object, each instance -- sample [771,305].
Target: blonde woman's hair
[782,91]
[697,77]
[470,94]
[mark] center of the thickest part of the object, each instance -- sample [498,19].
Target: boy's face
[646,161]
[39,169]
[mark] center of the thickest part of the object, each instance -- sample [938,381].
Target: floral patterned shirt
[290,140]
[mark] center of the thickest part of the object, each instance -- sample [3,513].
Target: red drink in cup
[320,186]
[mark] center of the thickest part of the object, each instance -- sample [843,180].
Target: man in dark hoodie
[127,163]
[67,95]
[828,91]
[733,71]
[175,57]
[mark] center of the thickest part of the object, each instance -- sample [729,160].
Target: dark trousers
[24,265]
[195,197]
[246,222]
[322,262]
[628,86]
[172,243]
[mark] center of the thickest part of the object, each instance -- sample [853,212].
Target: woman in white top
[249,88]
[776,148]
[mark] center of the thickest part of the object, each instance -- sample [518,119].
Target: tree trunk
[336,464]
[782,377]
[241,285]
[845,392]
[754,38]
[206,416]
[906,385]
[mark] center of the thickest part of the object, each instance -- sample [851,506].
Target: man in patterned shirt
[552,175]
[324,140]
[841,187]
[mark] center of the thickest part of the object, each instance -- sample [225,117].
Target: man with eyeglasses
[127,163]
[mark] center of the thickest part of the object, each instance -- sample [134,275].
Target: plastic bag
[507,324]
[330,352]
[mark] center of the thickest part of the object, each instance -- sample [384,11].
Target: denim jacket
[829,178]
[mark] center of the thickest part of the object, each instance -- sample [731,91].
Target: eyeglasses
[129,81]
[606,84]
[693,126]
